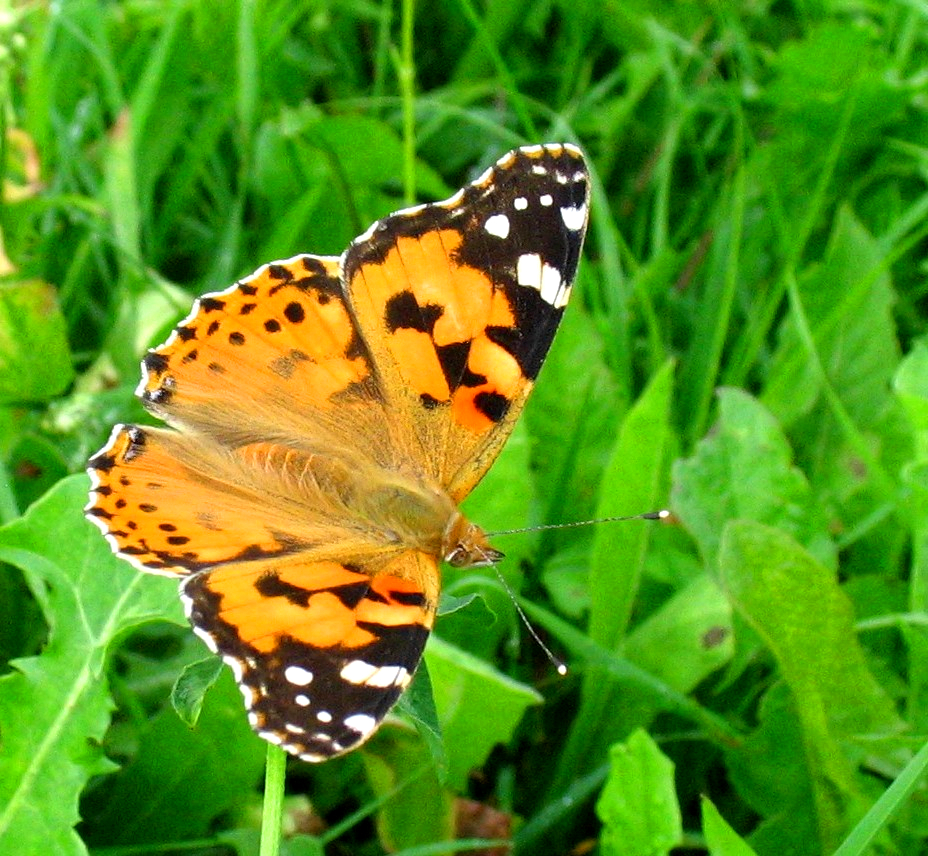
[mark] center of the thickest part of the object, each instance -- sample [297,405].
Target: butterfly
[327,415]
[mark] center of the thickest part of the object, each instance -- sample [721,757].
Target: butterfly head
[465,545]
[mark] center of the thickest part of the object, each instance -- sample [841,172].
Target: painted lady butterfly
[327,416]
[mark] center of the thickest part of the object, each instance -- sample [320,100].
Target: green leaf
[88,597]
[418,703]
[465,689]
[574,433]
[638,806]
[219,761]
[191,687]
[681,643]
[721,839]
[796,606]
[769,771]
[744,470]
[910,384]
[416,808]
[35,361]
[848,302]
[631,485]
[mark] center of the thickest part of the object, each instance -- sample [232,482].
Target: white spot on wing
[361,722]
[357,672]
[298,676]
[538,169]
[497,225]
[551,285]
[520,203]
[531,272]
[546,199]
[360,673]
[313,759]
[324,716]
[528,270]
[301,700]
[574,218]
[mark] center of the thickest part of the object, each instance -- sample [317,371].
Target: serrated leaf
[88,597]
[35,360]
[638,804]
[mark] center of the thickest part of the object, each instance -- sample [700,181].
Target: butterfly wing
[321,651]
[458,303]
[177,503]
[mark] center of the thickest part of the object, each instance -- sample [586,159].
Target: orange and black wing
[321,650]
[458,302]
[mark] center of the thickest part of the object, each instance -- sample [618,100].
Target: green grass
[746,346]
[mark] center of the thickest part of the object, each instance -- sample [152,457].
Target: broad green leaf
[910,385]
[35,360]
[744,470]
[638,805]
[769,770]
[55,708]
[631,484]
[418,703]
[465,689]
[681,643]
[416,808]
[911,389]
[573,418]
[847,300]
[721,839]
[797,608]
[220,761]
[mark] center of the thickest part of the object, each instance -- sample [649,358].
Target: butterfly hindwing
[320,650]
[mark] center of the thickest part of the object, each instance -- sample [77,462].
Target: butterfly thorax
[426,518]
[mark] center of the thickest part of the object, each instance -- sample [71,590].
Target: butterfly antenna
[557,663]
[561,667]
[663,514]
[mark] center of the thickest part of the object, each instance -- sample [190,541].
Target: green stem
[275,772]
[407,81]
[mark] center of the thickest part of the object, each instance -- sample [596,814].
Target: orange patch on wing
[420,366]
[164,515]
[393,613]
[324,622]
[246,337]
